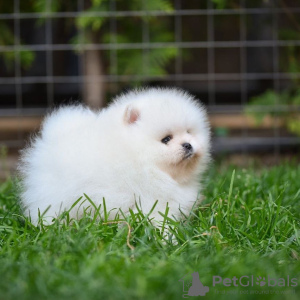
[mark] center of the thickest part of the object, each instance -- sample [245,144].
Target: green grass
[247,225]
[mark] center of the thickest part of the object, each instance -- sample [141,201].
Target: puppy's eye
[166,139]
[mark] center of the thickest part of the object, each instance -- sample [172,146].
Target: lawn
[247,229]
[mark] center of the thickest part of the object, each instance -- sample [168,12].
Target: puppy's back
[55,157]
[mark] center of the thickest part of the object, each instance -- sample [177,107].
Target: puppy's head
[169,129]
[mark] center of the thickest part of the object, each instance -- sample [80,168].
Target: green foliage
[157,5]
[224,4]
[248,225]
[294,125]
[152,62]
[289,63]
[220,4]
[270,100]
[86,21]
[26,57]
[46,6]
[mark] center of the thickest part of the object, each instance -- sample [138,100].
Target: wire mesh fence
[239,58]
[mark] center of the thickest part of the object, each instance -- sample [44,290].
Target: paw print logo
[260,281]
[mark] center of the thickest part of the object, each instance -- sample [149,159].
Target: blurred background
[240,58]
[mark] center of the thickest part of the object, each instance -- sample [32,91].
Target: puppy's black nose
[187,147]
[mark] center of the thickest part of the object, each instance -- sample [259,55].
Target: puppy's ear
[131,115]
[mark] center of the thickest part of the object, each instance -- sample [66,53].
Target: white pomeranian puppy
[151,144]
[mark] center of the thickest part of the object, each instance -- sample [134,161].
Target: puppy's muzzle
[188,150]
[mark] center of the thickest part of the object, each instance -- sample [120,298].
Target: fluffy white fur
[118,154]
